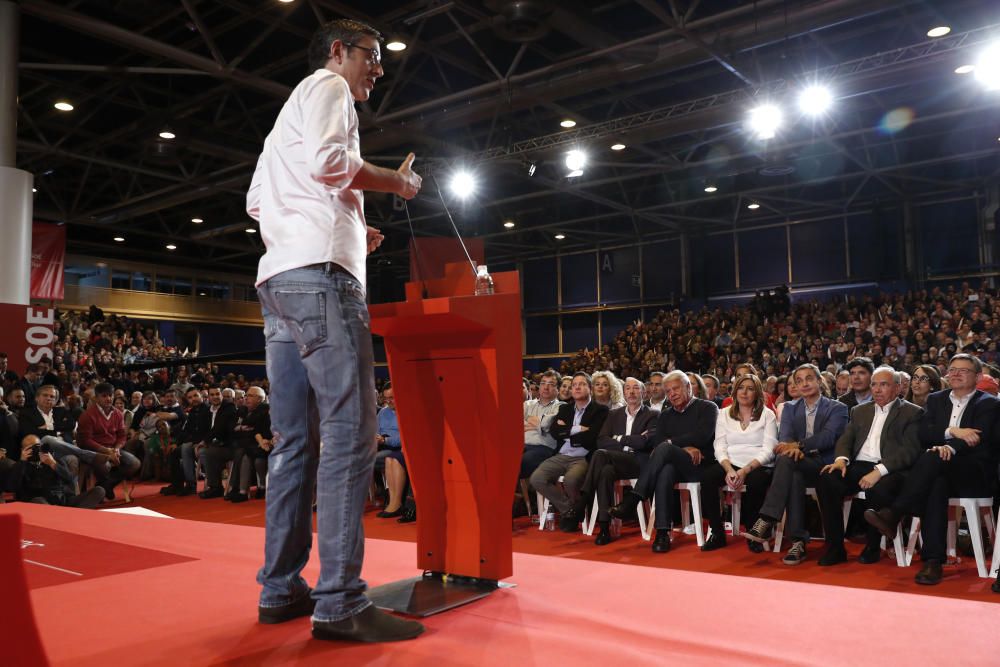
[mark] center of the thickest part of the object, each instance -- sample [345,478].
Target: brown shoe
[930,574]
[885,520]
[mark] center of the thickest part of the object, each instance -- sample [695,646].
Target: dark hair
[104,389]
[346,30]
[585,376]
[758,402]
[864,362]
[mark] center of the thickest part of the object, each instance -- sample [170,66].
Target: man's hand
[532,422]
[870,480]
[47,459]
[410,180]
[26,453]
[373,238]
[970,435]
[695,454]
[840,465]
[943,452]
[782,448]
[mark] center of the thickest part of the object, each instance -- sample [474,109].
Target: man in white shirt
[657,393]
[881,440]
[308,195]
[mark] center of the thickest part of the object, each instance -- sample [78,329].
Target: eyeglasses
[920,378]
[374,55]
[547,384]
[960,371]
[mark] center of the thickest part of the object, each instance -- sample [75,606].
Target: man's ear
[336,51]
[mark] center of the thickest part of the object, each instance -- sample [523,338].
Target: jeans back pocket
[304,313]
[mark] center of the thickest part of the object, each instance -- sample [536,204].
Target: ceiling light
[815,100]
[964,69]
[567,123]
[286,2]
[396,45]
[165,133]
[560,237]
[753,206]
[197,221]
[251,230]
[202,293]
[939,31]
[463,184]
[63,106]
[171,246]
[509,224]
[617,147]
[119,239]
[576,160]
[988,67]
[765,120]
[34,189]
[710,188]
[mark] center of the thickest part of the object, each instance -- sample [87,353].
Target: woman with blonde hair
[608,390]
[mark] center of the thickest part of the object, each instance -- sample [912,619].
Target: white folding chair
[590,518]
[973,508]
[543,505]
[689,504]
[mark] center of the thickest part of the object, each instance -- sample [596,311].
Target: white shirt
[958,406]
[871,451]
[300,191]
[741,447]
[659,406]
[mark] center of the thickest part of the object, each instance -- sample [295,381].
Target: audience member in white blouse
[745,436]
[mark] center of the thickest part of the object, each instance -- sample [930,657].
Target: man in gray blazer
[808,433]
[882,439]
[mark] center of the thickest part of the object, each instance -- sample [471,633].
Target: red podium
[455,364]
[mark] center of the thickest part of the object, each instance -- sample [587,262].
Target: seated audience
[539,413]
[217,448]
[252,444]
[607,390]
[745,436]
[37,477]
[391,453]
[685,433]
[860,369]
[102,430]
[657,399]
[181,453]
[925,381]
[880,442]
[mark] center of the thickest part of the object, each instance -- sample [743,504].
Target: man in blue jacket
[807,436]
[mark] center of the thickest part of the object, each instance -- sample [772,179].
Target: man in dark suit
[881,441]
[686,434]
[860,392]
[958,430]
[576,427]
[807,436]
[218,445]
[624,443]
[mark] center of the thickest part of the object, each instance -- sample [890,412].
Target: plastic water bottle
[550,521]
[484,283]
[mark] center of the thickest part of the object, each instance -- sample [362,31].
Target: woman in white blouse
[745,436]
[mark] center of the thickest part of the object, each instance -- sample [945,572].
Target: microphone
[472,263]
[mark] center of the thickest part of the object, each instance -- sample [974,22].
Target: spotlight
[63,106]
[764,121]
[509,224]
[617,147]
[568,123]
[119,239]
[815,100]
[34,189]
[964,69]
[396,45]
[710,188]
[197,221]
[988,67]
[576,160]
[463,185]
[939,31]
[560,237]
[251,230]
[753,206]
[171,246]
[167,133]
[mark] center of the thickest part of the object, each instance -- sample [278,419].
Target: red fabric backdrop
[48,259]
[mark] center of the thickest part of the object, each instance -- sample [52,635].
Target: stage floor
[136,590]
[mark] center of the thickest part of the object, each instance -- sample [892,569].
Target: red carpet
[198,607]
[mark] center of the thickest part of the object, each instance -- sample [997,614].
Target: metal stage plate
[430,594]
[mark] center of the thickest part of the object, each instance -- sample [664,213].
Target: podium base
[430,594]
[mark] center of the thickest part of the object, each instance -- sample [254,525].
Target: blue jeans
[319,360]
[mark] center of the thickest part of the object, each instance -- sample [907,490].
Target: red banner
[26,335]
[48,259]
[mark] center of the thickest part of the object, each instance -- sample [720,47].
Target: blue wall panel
[226,338]
[763,258]
[661,268]
[579,280]
[615,321]
[818,252]
[579,331]
[540,284]
[541,334]
[874,240]
[619,275]
[717,268]
[949,235]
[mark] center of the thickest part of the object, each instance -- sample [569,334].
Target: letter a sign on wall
[606,264]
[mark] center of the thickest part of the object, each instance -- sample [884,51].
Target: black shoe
[186,490]
[170,490]
[260,493]
[834,556]
[569,522]
[930,574]
[210,492]
[761,532]
[390,515]
[628,508]
[301,607]
[755,547]
[661,544]
[885,520]
[603,537]
[796,554]
[870,555]
[716,541]
[371,625]
[996,584]
[238,498]
[109,493]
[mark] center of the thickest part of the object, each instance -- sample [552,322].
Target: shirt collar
[886,409]
[959,402]
[579,409]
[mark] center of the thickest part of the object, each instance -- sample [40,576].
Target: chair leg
[590,518]
[778,533]
[976,534]
[953,533]
[543,510]
[995,564]
[647,529]
[699,526]
[526,497]
[911,544]
[898,548]
[847,510]
[736,505]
